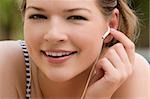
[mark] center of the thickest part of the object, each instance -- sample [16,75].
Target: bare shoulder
[138,84]
[12,69]
[139,59]
[141,65]
[10,54]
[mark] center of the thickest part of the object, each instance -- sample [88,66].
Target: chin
[61,77]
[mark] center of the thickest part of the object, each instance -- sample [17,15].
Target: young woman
[65,54]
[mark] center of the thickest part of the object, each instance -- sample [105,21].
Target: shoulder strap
[28,69]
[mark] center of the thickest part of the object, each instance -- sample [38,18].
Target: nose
[56,32]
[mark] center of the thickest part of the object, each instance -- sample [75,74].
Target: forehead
[63,4]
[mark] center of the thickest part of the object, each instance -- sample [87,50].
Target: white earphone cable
[94,65]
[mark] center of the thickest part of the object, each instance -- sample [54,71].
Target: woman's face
[63,36]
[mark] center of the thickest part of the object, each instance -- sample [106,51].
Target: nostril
[55,37]
[61,40]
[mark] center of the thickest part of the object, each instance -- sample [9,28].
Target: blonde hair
[128,23]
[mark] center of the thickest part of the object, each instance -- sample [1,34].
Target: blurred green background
[11,22]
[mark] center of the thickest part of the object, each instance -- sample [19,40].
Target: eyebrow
[36,8]
[77,9]
[66,10]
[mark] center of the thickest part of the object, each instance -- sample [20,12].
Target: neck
[69,89]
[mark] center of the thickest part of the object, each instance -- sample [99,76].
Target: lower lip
[58,60]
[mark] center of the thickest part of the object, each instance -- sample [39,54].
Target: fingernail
[112,29]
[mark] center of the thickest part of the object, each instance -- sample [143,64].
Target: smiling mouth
[60,54]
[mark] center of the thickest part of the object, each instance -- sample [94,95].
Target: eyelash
[37,16]
[73,17]
[77,17]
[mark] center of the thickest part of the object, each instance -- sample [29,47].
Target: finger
[108,83]
[115,60]
[120,50]
[128,44]
[99,73]
[108,68]
[111,75]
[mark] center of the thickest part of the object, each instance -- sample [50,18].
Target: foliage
[10,20]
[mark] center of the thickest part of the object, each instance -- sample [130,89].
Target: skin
[61,32]
[119,69]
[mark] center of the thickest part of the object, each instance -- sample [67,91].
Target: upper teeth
[57,53]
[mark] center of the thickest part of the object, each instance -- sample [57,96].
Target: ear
[114,20]
[113,23]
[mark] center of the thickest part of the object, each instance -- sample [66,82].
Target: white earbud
[106,33]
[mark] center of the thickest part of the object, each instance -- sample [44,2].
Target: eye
[76,17]
[37,16]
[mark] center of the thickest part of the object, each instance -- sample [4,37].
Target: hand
[117,65]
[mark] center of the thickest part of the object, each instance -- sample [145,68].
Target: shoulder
[138,84]
[10,54]
[139,59]
[141,65]
[12,69]
[9,48]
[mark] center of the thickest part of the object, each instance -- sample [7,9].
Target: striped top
[28,69]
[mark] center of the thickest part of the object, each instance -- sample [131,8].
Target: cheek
[33,38]
[89,42]
[86,37]
[33,33]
